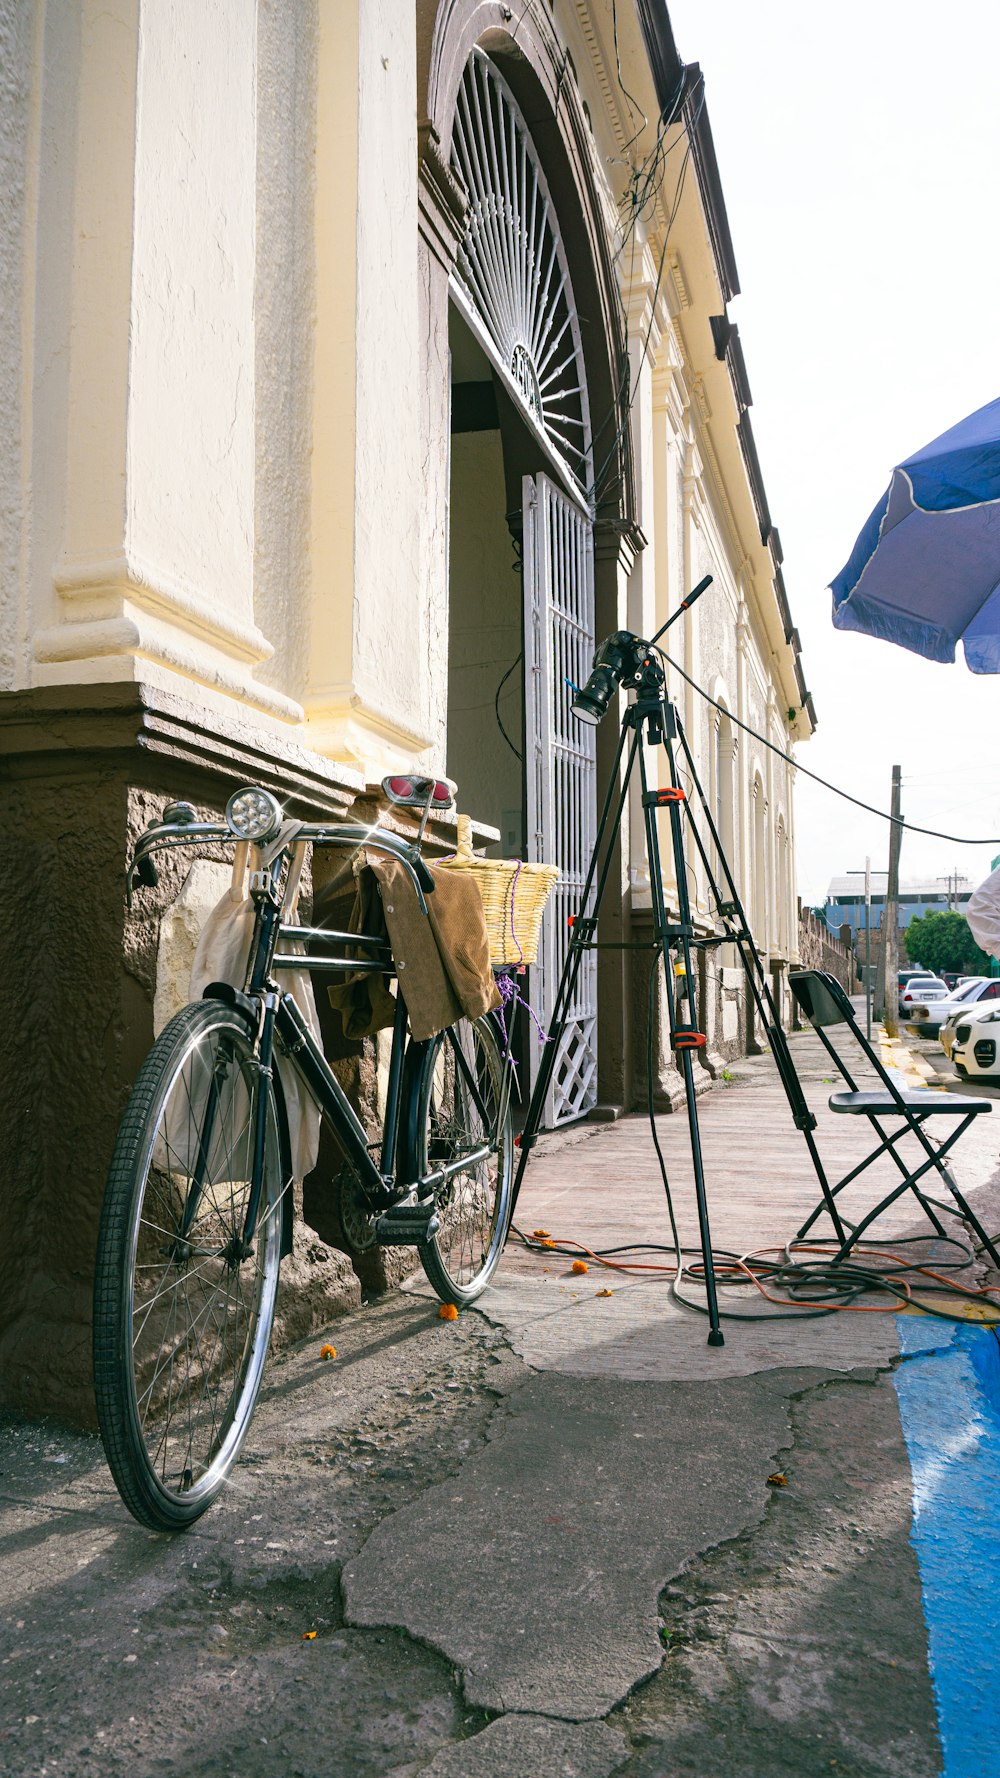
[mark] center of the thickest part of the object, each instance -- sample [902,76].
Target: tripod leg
[763,998]
[683,1053]
[609,823]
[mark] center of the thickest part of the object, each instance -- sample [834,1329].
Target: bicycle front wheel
[182,1305]
[462,1108]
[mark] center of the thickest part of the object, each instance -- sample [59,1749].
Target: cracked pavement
[493,1560]
[539,1539]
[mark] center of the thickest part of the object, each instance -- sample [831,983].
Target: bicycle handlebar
[166,835]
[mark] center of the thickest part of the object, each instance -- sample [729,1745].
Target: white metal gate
[561,769]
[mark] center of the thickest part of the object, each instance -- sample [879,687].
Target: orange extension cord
[733,1269]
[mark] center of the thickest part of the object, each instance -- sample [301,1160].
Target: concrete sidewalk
[548,1537]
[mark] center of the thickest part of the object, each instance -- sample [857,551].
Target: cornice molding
[123,574]
[53,727]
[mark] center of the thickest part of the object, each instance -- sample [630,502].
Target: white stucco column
[670,434]
[644,341]
[641,603]
[772,862]
[794,953]
[143,362]
[367,690]
[743,864]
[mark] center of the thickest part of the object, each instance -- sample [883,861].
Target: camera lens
[591,703]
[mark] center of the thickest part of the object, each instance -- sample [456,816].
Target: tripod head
[625,660]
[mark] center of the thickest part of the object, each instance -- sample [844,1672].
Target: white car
[983,991]
[928,1016]
[920,990]
[975,1053]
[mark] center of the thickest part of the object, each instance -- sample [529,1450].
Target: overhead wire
[869,808]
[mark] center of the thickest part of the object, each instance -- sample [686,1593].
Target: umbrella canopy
[925,570]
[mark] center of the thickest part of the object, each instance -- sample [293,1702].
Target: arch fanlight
[511,279]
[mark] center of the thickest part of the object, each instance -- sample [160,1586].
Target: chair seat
[883,1104]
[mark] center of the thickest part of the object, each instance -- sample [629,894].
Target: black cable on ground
[814,1288]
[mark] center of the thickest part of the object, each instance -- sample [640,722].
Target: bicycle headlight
[253,814]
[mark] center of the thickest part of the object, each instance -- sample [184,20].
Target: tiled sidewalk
[600,1184]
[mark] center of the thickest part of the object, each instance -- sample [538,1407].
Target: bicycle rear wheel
[461,1105]
[182,1315]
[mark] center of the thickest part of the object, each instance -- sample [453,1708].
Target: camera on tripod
[620,660]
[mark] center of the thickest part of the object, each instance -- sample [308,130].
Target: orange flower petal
[546,1243]
[328,1352]
[605,1293]
[447,1312]
[308,1635]
[579,1265]
[777,1480]
[541,1234]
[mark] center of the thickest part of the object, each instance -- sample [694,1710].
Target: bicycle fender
[408,1137]
[288,1195]
[233,997]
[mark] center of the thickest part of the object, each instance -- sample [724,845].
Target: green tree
[943,941]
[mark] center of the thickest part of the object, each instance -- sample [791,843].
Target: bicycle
[198,1206]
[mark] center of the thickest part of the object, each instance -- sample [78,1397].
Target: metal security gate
[561,769]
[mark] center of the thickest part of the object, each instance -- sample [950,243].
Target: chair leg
[972,1219]
[827,1200]
[830,1193]
[935,1160]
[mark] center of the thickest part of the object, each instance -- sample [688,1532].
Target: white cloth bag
[222,955]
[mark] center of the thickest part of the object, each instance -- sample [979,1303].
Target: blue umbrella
[926,567]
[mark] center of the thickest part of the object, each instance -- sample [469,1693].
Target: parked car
[975,1053]
[919,991]
[980,991]
[929,1015]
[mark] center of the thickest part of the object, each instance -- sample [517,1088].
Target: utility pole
[890,915]
[868,941]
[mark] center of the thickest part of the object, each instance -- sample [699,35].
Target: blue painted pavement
[949,1404]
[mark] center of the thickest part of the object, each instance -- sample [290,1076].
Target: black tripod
[626,660]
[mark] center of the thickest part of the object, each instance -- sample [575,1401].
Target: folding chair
[822,1001]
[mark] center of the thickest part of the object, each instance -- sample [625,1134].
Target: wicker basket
[514,897]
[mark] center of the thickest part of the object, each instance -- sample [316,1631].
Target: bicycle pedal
[406,1225]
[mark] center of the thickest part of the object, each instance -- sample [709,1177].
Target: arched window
[511,279]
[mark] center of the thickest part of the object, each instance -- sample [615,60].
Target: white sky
[859,146]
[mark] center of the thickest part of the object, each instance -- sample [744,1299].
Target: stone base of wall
[84,769]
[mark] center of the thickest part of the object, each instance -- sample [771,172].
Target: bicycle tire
[182,1319]
[474,1206]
